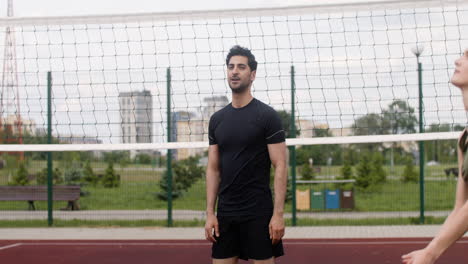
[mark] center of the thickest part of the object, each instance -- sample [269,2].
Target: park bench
[452,171]
[70,193]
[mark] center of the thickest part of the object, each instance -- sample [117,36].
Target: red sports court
[132,245]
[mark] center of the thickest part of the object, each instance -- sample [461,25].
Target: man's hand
[276,228]
[211,227]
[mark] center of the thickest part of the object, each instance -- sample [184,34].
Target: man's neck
[241,100]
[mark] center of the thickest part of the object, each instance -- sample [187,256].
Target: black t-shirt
[242,135]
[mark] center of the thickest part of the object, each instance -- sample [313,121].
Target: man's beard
[240,89]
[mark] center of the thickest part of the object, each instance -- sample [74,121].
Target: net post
[169,151]
[50,219]
[292,149]
[421,146]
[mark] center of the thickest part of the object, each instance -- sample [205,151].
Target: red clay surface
[298,251]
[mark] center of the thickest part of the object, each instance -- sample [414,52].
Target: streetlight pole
[417,51]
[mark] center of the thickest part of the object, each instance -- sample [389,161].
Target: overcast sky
[346,66]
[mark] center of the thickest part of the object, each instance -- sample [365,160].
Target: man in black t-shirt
[246,137]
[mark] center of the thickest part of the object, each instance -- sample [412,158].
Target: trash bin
[303,200]
[317,199]
[332,199]
[347,199]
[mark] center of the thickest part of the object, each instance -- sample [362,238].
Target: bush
[74,173]
[409,173]
[378,174]
[143,158]
[306,172]
[346,174]
[89,176]
[110,179]
[164,194]
[185,173]
[57,177]
[347,171]
[21,177]
[363,172]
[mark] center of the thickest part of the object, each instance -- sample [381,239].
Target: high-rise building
[190,127]
[28,126]
[190,131]
[177,117]
[213,104]
[136,112]
[305,127]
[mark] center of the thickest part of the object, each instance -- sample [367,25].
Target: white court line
[11,246]
[209,244]
[364,243]
[115,244]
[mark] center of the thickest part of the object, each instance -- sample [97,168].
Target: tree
[10,164]
[117,156]
[88,174]
[306,172]
[347,170]
[67,158]
[21,177]
[370,124]
[286,122]
[351,155]
[143,158]
[346,173]
[363,172]
[186,172]
[317,152]
[57,177]
[163,185]
[377,173]
[409,173]
[399,118]
[443,151]
[73,173]
[7,135]
[110,178]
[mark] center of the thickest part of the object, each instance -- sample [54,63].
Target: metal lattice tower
[10,100]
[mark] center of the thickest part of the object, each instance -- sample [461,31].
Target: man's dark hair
[241,51]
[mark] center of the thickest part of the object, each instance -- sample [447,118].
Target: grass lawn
[201,223]
[139,195]
[139,185]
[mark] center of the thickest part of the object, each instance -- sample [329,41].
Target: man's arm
[277,154]
[212,186]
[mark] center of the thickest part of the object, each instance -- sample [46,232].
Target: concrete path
[193,214]
[146,233]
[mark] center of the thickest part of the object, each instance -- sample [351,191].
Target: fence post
[50,205]
[421,147]
[292,149]
[169,151]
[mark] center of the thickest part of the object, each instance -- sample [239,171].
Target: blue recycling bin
[332,199]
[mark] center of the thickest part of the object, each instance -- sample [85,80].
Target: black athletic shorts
[246,237]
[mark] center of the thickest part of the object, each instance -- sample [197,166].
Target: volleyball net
[125,88]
